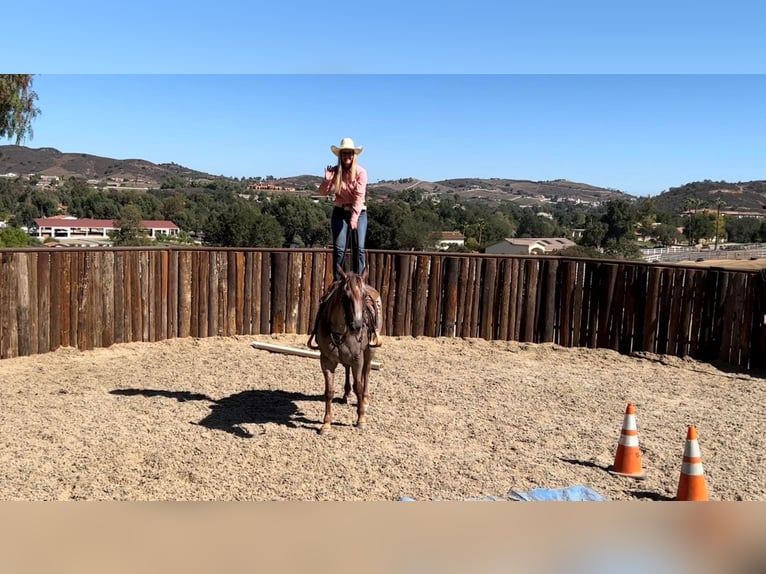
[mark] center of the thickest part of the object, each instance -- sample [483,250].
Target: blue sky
[638,98]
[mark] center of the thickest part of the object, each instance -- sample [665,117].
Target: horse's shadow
[231,413]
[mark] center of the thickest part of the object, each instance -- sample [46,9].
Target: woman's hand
[329,172]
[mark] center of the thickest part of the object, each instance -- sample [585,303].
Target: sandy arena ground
[450,419]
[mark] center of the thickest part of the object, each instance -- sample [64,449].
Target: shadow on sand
[229,414]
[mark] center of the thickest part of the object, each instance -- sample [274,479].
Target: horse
[344,324]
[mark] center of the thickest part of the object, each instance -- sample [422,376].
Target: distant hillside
[742,196]
[49,161]
[523,192]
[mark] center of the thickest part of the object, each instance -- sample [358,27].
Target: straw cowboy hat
[346,143]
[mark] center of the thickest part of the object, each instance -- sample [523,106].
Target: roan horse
[342,334]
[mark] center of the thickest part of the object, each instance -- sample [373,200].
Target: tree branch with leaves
[17,106]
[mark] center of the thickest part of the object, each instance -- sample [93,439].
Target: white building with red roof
[67,227]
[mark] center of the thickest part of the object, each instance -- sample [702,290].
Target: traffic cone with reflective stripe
[627,461]
[692,484]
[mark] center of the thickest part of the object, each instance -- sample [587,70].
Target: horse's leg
[366,376]
[361,395]
[347,386]
[328,370]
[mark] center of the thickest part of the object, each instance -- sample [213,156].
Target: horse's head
[352,292]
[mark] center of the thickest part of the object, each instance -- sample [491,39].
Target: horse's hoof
[361,425]
[324,428]
[344,401]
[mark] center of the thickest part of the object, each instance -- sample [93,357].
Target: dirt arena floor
[450,419]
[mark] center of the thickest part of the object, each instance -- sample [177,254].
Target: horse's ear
[365,273]
[340,270]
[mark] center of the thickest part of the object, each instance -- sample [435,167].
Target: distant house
[530,245]
[67,227]
[447,238]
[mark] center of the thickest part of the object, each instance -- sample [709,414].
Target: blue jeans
[340,224]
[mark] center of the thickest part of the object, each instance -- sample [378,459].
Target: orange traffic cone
[692,485]
[627,461]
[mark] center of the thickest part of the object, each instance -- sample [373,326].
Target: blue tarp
[571,493]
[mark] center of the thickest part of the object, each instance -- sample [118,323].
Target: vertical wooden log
[184,319]
[216,305]
[487,304]
[161,294]
[133,295]
[651,310]
[388,293]
[257,286]
[476,297]
[266,280]
[578,296]
[107,299]
[548,307]
[247,294]
[70,302]
[532,272]
[172,293]
[44,302]
[55,282]
[9,334]
[596,303]
[516,295]
[728,313]
[203,294]
[317,287]
[420,295]
[96,318]
[664,309]
[696,314]
[118,287]
[626,334]
[280,263]
[306,294]
[153,303]
[434,297]
[81,290]
[24,308]
[745,321]
[607,278]
[504,298]
[675,310]
[465,301]
[146,302]
[234,286]
[34,306]
[568,278]
[686,311]
[293,291]
[450,297]
[403,295]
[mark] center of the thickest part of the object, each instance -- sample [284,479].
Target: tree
[667,235]
[16,237]
[130,231]
[302,220]
[620,218]
[17,106]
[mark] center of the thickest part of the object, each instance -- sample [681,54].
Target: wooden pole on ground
[299,352]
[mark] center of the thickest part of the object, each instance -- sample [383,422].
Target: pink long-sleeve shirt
[353,194]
